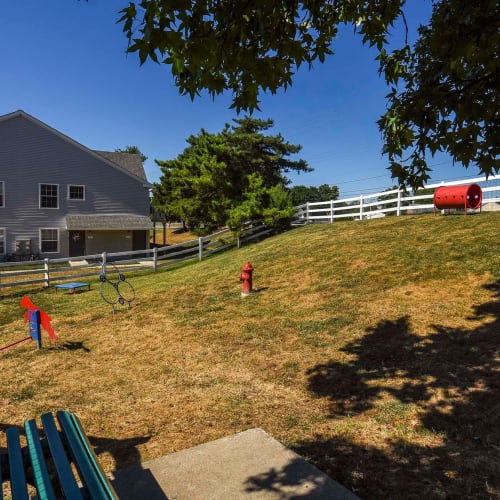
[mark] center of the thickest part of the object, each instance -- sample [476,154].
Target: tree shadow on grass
[298,480]
[449,381]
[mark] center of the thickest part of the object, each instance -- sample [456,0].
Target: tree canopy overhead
[444,90]
[246,47]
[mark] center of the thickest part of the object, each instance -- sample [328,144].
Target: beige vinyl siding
[113,241]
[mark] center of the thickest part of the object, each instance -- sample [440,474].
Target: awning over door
[108,222]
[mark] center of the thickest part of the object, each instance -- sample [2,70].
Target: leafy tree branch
[444,90]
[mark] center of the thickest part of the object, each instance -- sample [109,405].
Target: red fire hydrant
[246,277]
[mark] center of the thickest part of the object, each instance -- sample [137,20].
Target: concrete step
[248,465]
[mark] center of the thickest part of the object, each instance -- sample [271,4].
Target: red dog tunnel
[468,196]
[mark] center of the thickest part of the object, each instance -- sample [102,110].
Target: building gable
[126,166]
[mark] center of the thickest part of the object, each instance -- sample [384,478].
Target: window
[23,247]
[2,194]
[49,240]
[2,241]
[76,192]
[49,196]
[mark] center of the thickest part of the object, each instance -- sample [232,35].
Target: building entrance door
[76,243]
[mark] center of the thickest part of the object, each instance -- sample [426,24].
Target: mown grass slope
[371,348]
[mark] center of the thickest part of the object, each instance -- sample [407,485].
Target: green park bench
[46,462]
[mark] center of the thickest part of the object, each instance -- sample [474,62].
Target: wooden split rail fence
[47,272]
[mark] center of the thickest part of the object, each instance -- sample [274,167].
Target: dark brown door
[139,240]
[76,243]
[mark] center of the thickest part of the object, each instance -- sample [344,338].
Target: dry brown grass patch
[352,353]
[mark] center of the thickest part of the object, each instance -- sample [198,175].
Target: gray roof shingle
[108,222]
[129,161]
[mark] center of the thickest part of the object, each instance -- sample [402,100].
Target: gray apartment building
[59,198]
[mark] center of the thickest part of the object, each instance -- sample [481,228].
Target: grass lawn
[173,236]
[371,348]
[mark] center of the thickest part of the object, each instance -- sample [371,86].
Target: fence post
[155,259]
[200,248]
[398,211]
[46,272]
[307,212]
[331,211]
[361,207]
[103,270]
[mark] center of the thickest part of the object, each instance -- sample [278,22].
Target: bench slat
[44,488]
[67,480]
[16,466]
[85,460]
[1,480]
[64,447]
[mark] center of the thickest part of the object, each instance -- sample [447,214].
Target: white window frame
[2,194]
[40,195]
[41,240]
[3,241]
[76,186]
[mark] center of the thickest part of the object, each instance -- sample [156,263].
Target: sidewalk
[249,465]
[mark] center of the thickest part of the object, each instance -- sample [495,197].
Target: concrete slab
[78,263]
[249,465]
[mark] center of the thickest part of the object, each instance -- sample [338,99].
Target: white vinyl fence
[50,271]
[393,202]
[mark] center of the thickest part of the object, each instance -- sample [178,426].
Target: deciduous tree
[303,194]
[444,90]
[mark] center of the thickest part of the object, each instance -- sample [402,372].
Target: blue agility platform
[72,286]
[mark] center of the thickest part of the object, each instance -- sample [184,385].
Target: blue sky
[64,62]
